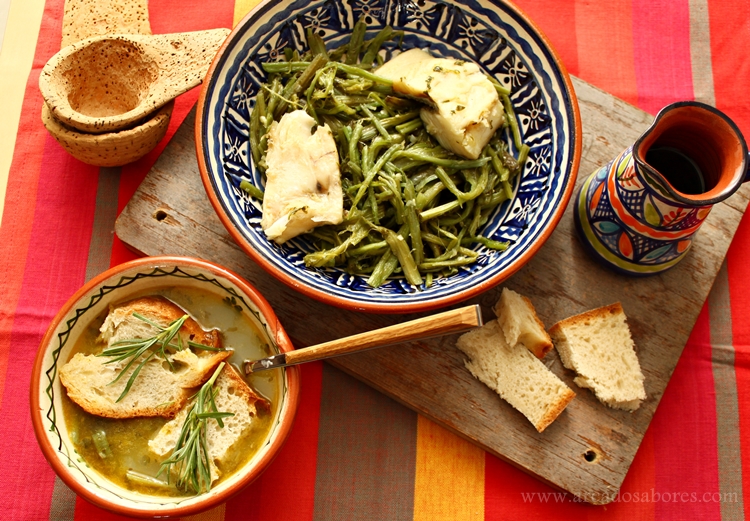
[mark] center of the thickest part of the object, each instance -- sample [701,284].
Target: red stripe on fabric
[169,16]
[85,511]
[557,21]
[685,437]
[661,45]
[738,273]
[288,484]
[513,494]
[637,497]
[730,31]
[730,36]
[604,32]
[510,493]
[55,268]
[50,36]
[742,374]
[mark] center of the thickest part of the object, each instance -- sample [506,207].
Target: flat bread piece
[158,390]
[597,345]
[520,323]
[515,374]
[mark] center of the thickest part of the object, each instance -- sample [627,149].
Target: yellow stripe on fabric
[16,57]
[241,8]
[449,480]
[215,514]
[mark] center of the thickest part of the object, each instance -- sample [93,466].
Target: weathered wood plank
[170,214]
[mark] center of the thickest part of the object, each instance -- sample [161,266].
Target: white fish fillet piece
[465,108]
[303,180]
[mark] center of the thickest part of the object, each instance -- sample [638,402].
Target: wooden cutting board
[587,451]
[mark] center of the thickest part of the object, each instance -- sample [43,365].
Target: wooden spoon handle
[453,321]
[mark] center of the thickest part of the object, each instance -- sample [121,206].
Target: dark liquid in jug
[677,168]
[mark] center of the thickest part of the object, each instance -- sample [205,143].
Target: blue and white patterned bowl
[493,34]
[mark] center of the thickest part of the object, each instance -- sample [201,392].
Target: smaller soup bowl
[211,294]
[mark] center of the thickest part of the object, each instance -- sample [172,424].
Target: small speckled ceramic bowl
[111,148]
[118,284]
[492,33]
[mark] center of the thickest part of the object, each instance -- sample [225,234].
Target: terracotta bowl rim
[285,420]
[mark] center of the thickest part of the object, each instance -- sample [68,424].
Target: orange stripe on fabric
[15,232]
[557,21]
[449,481]
[604,33]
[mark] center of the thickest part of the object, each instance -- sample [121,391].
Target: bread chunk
[515,374]
[233,395]
[519,322]
[597,345]
[158,390]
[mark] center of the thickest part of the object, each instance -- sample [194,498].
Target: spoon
[454,321]
[111,82]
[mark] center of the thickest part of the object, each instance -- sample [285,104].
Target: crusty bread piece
[234,396]
[597,345]
[515,374]
[121,325]
[158,390]
[519,322]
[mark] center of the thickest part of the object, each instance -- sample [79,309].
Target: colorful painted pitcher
[638,214]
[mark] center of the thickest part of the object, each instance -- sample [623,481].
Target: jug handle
[747,169]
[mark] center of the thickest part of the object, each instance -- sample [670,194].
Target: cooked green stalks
[412,207]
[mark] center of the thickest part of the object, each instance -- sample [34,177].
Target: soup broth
[125,458]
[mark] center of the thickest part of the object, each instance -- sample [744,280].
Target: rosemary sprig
[190,455]
[133,349]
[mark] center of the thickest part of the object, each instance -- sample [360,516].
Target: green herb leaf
[190,457]
[133,350]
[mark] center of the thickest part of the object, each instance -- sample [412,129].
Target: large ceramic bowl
[492,33]
[191,278]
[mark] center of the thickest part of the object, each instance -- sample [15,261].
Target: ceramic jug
[639,213]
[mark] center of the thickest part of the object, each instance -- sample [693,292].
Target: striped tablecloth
[353,453]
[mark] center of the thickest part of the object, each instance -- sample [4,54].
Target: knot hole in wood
[592,455]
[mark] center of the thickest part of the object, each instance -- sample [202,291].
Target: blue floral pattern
[487,32]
